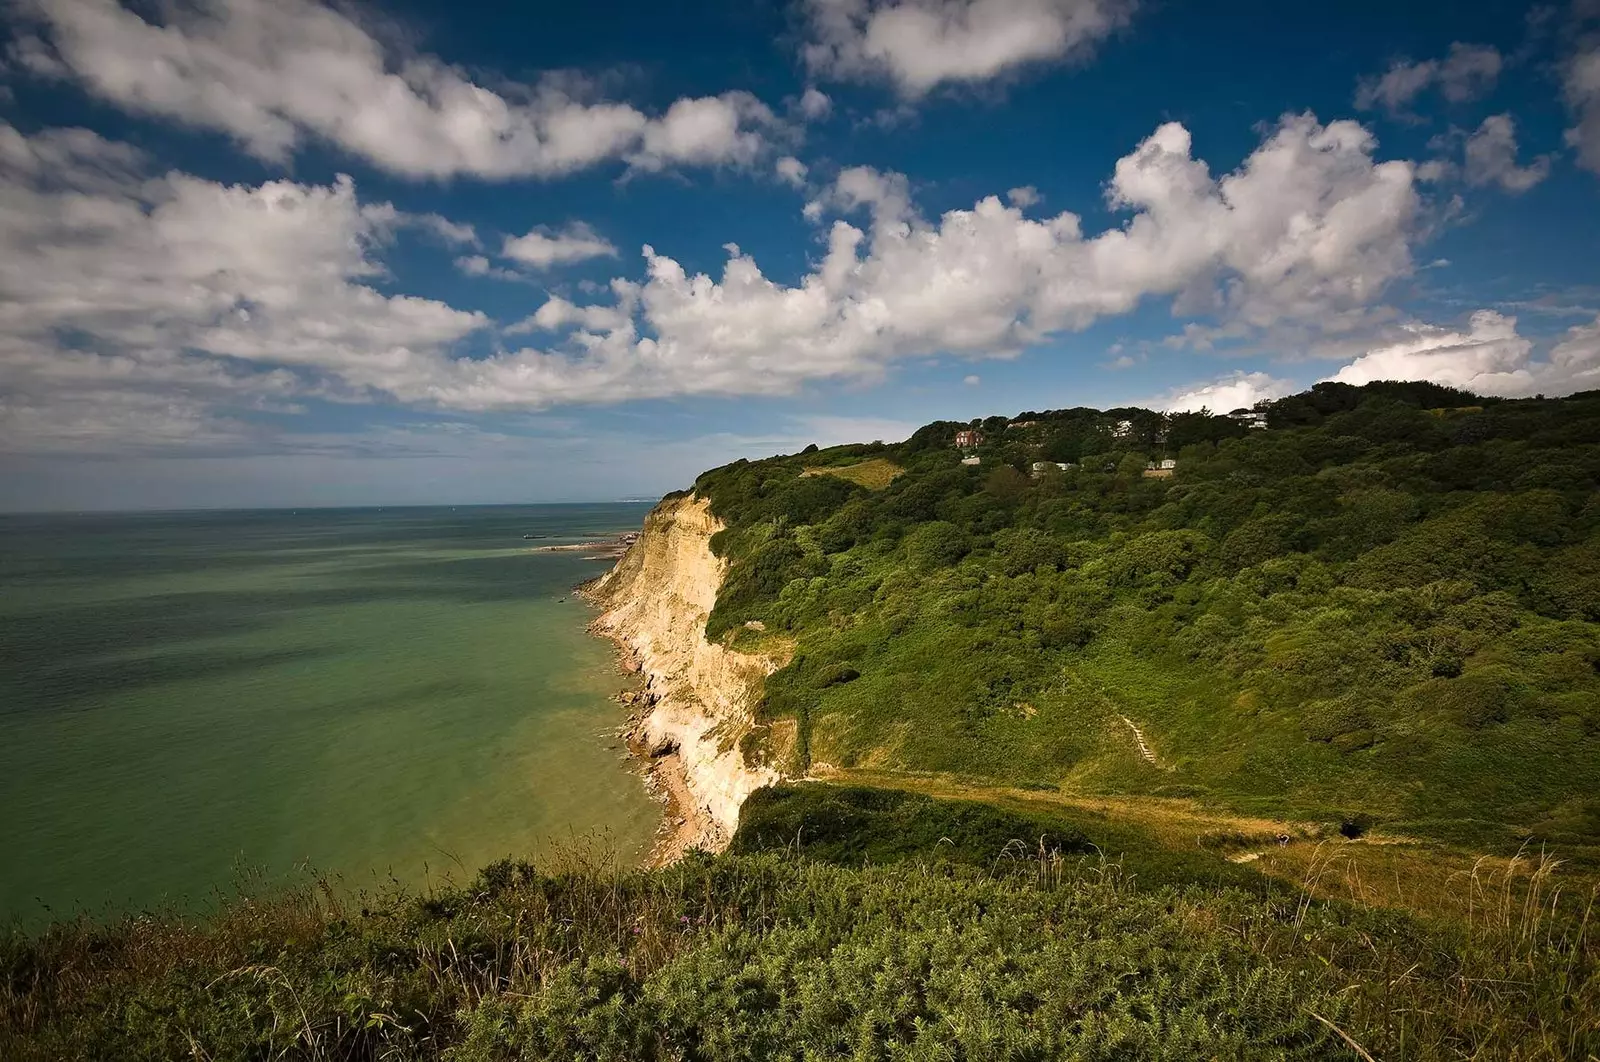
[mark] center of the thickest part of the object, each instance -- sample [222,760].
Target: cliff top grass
[873,474]
[891,927]
[1365,615]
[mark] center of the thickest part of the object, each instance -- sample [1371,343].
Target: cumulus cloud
[791,171]
[1025,196]
[920,44]
[1236,390]
[704,131]
[1491,157]
[1581,84]
[478,265]
[149,310]
[543,248]
[269,73]
[1309,229]
[558,314]
[451,233]
[1489,358]
[257,297]
[815,104]
[1467,72]
[1574,362]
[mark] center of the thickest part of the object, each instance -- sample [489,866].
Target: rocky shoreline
[684,824]
[602,549]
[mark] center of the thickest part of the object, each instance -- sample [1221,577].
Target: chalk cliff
[699,697]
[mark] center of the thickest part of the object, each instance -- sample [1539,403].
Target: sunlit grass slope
[874,473]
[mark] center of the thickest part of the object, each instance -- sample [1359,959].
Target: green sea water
[188,696]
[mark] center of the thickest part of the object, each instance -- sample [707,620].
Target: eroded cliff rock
[699,698]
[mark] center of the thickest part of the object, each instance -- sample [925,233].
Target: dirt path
[1138,735]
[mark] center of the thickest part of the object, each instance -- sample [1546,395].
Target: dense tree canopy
[1386,602]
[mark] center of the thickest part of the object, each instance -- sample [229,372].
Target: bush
[936,544]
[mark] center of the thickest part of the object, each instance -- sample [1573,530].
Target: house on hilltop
[1161,469]
[1249,417]
[968,439]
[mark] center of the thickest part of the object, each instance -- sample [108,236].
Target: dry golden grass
[875,473]
[1421,877]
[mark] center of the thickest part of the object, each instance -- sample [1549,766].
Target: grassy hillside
[966,938]
[1381,611]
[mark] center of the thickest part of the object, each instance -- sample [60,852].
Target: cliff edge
[699,698]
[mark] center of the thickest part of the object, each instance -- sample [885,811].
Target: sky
[291,253]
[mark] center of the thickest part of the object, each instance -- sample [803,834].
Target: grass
[874,473]
[1438,882]
[876,935]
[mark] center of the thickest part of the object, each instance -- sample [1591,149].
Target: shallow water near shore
[373,692]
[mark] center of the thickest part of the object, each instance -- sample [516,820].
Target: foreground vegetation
[969,933]
[1379,612]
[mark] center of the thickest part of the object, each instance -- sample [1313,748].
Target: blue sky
[275,252]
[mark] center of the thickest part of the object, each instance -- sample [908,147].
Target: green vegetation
[985,946]
[1381,610]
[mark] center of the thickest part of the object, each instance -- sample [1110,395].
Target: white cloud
[143,311]
[477,265]
[1581,84]
[455,234]
[1236,390]
[1489,358]
[270,72]
[542,248]
[558,313]
[1025,197]
[919,44]
[972,380]
[1308,230]
[815,104]
[791,171]
[1575,362]
[705,131]
[1491,157]
[1469,71]
[247,298]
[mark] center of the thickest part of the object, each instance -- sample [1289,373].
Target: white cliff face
[656,601]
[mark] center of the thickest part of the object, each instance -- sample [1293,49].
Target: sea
[195,703]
